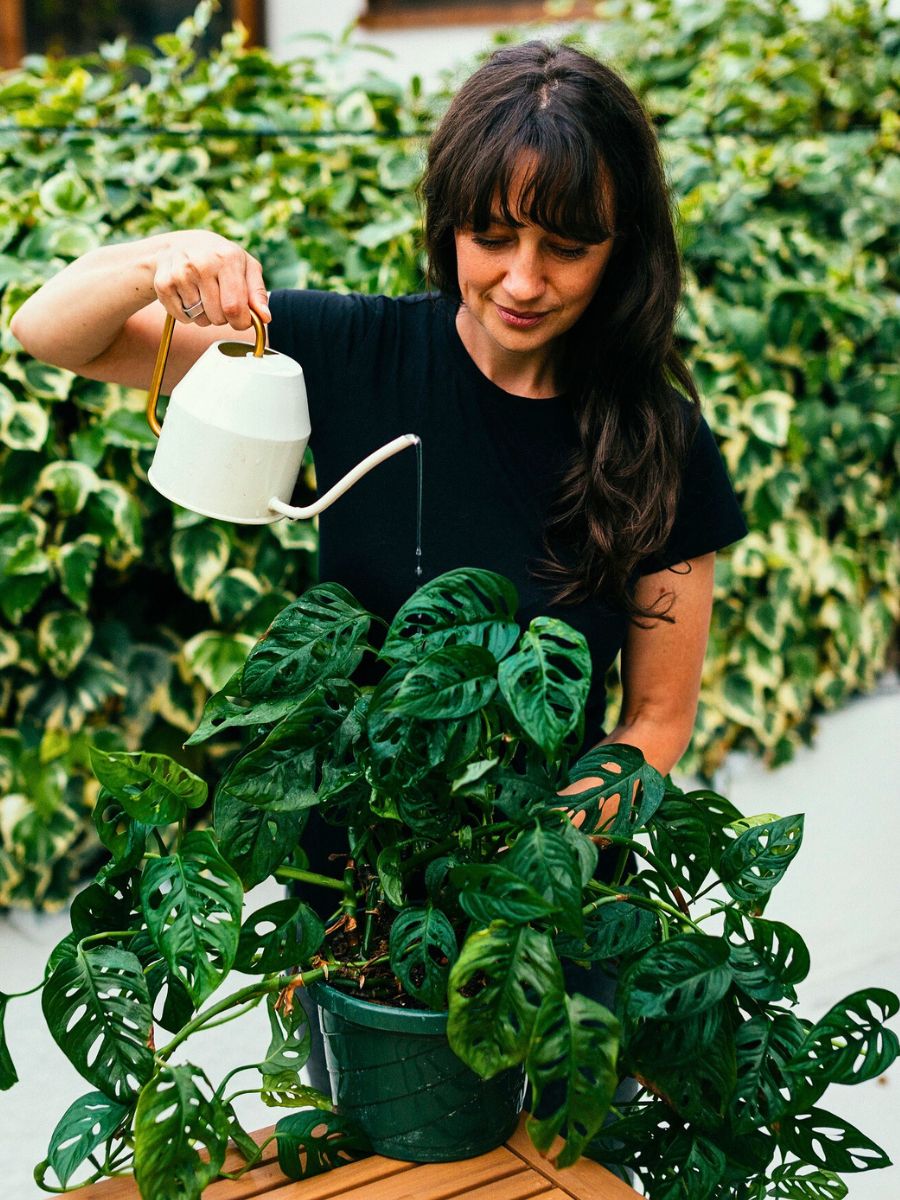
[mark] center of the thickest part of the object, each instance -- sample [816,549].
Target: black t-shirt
[377,367]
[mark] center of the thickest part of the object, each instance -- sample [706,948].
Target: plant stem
[610,893]
[253,991]
[108,933]
[248,1007]
[337,885]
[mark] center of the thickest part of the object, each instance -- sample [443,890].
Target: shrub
[777,132]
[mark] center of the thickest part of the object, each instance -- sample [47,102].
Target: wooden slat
[270,1181]
[523,1186]
[583,1179]
[429,1181]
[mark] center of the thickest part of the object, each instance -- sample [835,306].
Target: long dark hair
[596,172]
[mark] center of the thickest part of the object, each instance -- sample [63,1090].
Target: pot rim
[378,1016]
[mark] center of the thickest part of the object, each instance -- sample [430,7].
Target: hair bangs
[564,188]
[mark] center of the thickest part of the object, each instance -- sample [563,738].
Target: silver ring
[194,311]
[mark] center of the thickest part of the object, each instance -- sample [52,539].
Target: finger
[174,294]
[256,288]
[233,296]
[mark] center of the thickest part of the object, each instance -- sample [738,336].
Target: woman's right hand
[197,265]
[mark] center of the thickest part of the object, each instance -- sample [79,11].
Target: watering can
[235,433]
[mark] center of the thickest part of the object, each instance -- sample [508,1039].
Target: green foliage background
[120,614]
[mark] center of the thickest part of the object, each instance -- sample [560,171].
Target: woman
[561,429]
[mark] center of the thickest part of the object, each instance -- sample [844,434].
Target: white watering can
[235,433]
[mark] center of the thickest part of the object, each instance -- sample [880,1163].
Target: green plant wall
[119,615]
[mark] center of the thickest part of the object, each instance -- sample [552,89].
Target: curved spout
[363,468]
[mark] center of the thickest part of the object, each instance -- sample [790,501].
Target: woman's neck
[522,373]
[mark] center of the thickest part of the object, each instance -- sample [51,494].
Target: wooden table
[514,1171]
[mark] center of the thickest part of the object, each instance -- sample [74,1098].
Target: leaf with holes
[310,1143]
[848,1045]
[573,1050]
[97,1008]
[451,682]
[278,936]
[152,788]
[254,840]
[228,709]
[422,950]
[695,1167]
[192,905]
[765,1045]
[612,930]
[509,971]
[800,1181]
[84,1126]
[678,978]
[546,682]
[769,960]
[321,634]
[680,837]
[759,857]
[625,776]
[464,607]
[824,1140]
[289,1046]
[180,1135]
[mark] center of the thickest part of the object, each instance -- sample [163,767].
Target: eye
[569,252]
[488,243]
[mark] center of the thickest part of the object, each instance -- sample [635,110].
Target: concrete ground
[841,894]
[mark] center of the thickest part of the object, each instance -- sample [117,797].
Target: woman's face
[524,286]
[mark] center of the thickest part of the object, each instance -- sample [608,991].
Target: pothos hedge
[445,776]
[779,133]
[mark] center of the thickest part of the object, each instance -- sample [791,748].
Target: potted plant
[464,890]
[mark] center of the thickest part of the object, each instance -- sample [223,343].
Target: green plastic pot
[393,1072]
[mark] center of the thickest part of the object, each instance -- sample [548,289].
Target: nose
[525,280]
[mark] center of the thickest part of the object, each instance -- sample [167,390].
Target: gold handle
[259,347]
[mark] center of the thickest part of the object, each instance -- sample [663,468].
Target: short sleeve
[708,517]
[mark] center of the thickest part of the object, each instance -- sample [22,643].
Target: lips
[519,320]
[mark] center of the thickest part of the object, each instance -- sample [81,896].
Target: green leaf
[767,963]
[765,1045]
[390,875]
[192,905]
[200,554]
[279,774]
[624,775]
[696,1176]
[76,564]
[63,639]
[546,682]
[214,657]
[227,709]
[422,951]
[754,863]
[180,1135]
[464,607]
[123,837]
[83,1127]
[289,1045]
[24,425]
[321,634]
[611,931]
[254,840]
[97,1008]
[546,861]
[850,1044]
[574,1042]
[489,892]
[310,1143]
[824,1140]
[680,838]
[8,1074]
[509,971]
[152,788]
[278,937]
[800,1181]
[451,682]
[71,483]
[678,978]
